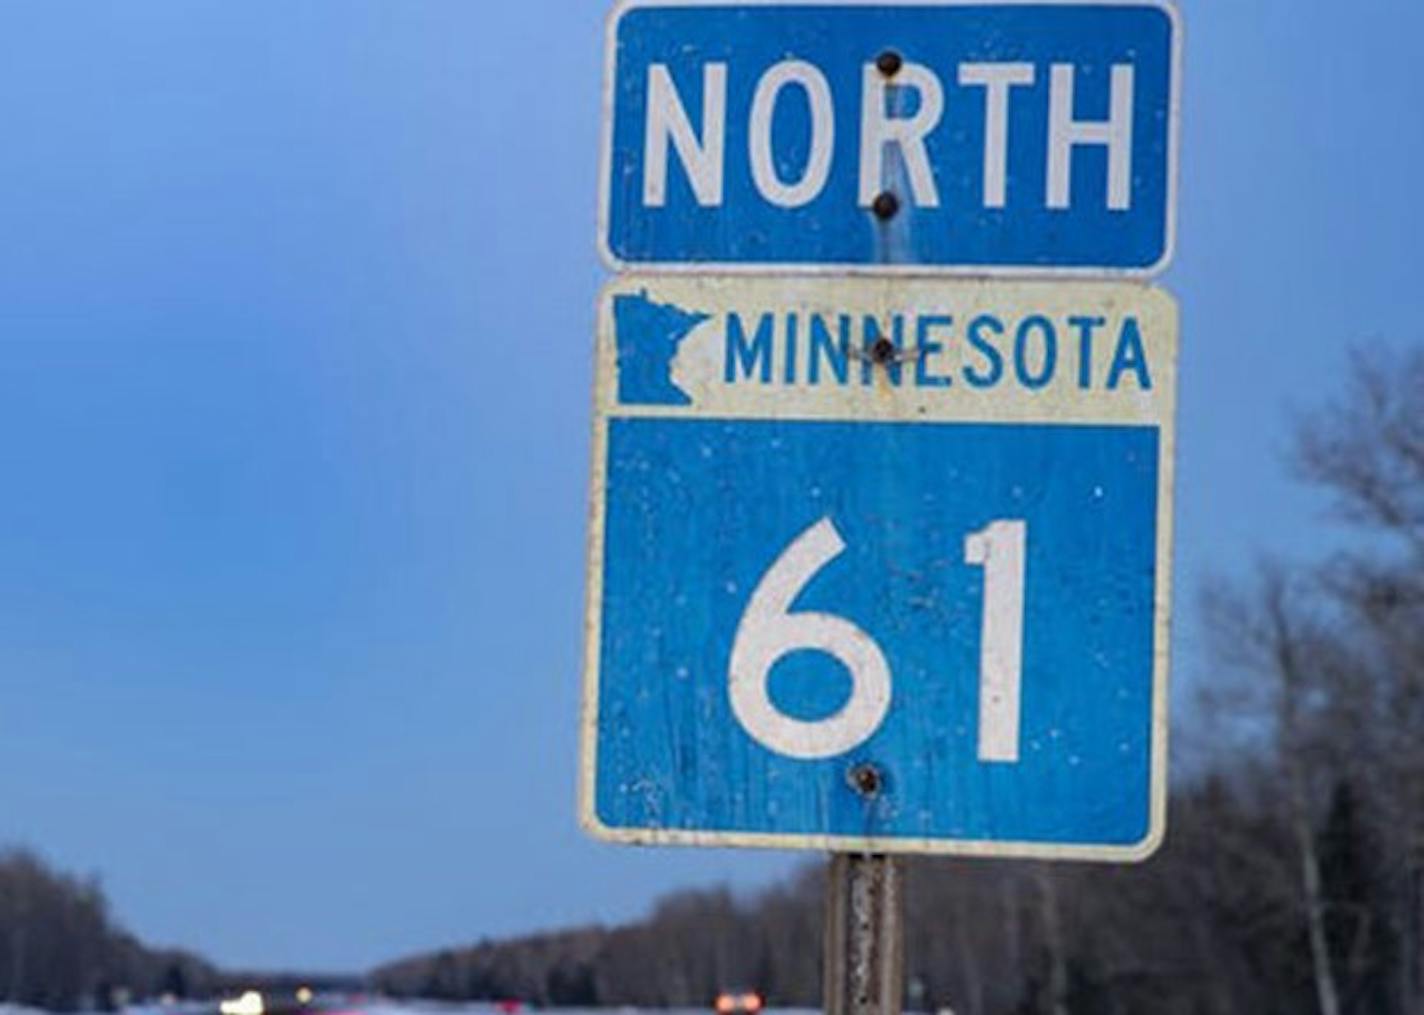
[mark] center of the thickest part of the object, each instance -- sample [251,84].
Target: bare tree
[1367,448]
[1366,452]
[1268,638]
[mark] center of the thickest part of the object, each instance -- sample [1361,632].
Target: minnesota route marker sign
[881,565]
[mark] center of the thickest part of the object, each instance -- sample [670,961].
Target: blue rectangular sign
[976,138]
[881,569]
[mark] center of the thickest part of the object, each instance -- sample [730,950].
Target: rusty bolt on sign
[882,351]
[885,205]
[866,779]
[889,63]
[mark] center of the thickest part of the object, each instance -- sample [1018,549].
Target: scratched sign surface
[880,564]
[1014,136]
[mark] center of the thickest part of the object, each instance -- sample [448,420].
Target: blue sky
[296,304]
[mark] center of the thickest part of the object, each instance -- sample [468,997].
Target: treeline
[1292,878]
[60,950]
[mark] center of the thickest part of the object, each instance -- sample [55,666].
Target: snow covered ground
[381,1006]
[378,1006]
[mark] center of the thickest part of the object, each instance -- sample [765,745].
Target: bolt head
[885,205]
[889,63]
[865,779]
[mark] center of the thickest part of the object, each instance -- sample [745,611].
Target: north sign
[1010,137]
[881,565]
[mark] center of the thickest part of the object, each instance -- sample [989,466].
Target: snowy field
[395,1008]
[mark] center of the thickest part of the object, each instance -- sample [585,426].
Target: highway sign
[880,564]
[964,137]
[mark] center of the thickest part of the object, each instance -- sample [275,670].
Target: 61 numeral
[768,631]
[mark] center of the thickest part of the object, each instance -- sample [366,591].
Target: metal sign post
[864,935]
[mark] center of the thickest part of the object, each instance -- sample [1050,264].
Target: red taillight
[751,1003]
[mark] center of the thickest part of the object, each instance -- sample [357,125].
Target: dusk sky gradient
[296,322]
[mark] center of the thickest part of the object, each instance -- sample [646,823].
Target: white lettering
[769,630]
[667,119]
[1115,133]
[823,134]
[997,79]
[1000,550]
[879,129]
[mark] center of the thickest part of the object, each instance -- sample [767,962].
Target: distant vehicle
[249,1002]
[738,1002]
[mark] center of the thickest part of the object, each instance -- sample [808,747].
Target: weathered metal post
[864,935]
[865,909]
